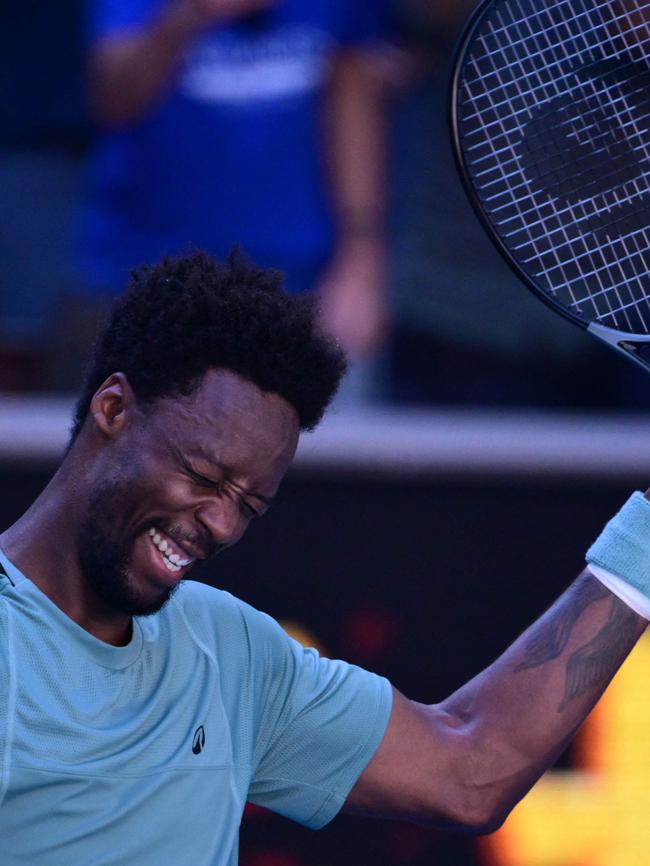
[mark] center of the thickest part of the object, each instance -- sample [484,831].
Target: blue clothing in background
[234,152]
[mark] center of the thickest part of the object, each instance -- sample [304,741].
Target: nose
[223,519]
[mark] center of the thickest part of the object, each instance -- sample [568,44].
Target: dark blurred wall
[44,131]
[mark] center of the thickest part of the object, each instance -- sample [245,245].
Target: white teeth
[171,560]
[175,558]
[170,565]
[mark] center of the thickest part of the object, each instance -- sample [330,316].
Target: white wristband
[632,597]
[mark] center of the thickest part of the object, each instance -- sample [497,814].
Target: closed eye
[203,481]
[249,510]
[212,484]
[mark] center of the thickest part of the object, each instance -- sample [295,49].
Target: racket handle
[636,347]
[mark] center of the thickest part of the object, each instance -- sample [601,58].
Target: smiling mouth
[173,557]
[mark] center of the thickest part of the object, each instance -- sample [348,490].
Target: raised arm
[466,762]
[130,70]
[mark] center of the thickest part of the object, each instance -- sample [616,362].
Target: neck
[43,545]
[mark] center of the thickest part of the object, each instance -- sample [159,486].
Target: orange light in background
[303,635]
[598,814]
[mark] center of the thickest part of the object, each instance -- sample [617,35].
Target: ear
[112,404]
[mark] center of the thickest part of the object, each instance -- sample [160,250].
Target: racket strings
[524,114]
[581,233]
[588,251]
[583,179]
[540,245]
[622,296]
[599,203]
[561,7]
[540,92]
[540,51]
[538,248]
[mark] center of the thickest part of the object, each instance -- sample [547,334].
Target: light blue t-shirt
[147,753]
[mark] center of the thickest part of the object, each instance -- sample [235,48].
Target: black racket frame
[635,347]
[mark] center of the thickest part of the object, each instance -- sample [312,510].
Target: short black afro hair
[190,314]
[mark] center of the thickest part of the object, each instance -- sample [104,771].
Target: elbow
[476,815]
[481,792]
[484,823]
[483,800]
[464,777]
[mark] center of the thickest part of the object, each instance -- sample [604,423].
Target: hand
[353,304]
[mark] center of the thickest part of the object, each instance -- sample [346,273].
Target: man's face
[182,481]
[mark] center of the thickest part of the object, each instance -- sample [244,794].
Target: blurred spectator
[43,134]
[257,122]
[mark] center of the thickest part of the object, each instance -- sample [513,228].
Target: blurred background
[490,439]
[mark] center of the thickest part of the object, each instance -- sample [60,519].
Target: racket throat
[636,347]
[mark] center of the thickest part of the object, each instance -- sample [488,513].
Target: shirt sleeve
[320,723]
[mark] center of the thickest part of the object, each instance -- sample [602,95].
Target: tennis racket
[550,120]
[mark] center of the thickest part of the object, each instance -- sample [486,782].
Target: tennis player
[139,711]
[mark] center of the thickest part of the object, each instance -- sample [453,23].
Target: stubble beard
[105,559]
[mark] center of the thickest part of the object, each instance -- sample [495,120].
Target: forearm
[353,303]
[520,713]
[466,762]
[357,144]
[130,70]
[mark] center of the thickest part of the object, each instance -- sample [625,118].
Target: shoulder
[218,617]
[191,593]
[195,598]
[203,605]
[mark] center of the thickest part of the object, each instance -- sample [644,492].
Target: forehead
[228,419]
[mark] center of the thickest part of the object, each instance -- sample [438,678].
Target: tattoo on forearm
[549,643]
[592,665]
